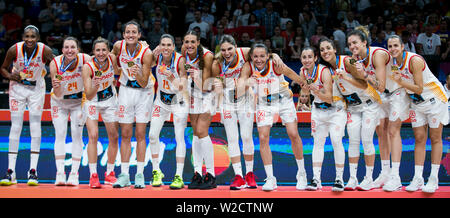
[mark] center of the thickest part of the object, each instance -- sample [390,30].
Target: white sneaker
[60,179]
[270,185]
[416,184]
[381,180]
[301,181]
[73,179]
[366,184]
[393,184]
[314,185]
[432,185]
[338,186]
[351,184]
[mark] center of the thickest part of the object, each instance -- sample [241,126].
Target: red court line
[83,191]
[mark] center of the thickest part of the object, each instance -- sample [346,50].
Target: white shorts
[22,96]
[107,109]
[161,110]
[265,114]
[366,119]
[432,112]
[206,104]
[63,108]
[135,104]
[395,106]
[324,121]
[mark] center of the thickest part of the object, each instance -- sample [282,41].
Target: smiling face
[228,51]
[30,37]
[327,51]
[308,58]
[191,43]
[131,34]
[70,49]
[356,45]
[259,57]
[167,47]
[101,51]
[395,47]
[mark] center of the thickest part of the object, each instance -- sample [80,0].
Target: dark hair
[32,27]
[200,50]
[132,22]
[258,45]
[361,32]
[395,37]
[167,36]
[72,39]
[321,60]
[100,40]
[225,38]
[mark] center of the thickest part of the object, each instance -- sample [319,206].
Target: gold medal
[130,63]
[394,68]
[162,68]
[98,73]
[23,75]
[187,66]
[352,61]
[309,81]
[58,77]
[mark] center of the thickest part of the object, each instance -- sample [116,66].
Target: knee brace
[338,148]
[367,141]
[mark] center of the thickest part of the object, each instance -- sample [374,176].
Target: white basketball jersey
[270,84]
[194,63]
[106,78]
[71,79]
[231,76]
[164,83]
[137,59]
[317,79]
[36,68]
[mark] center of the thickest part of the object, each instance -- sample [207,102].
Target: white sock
[269,170]
[75,166]
[140,167]
[395,168]
[12,159]
[124,168]
[197,155]
[155,163]
[34,157]
[109,168]
[369,172]
[249,166]
[339,173]
[300,165]
[237,167]
[92,168]
[434,170]
[180,168]
[353,169]
[385,166]
[208,154]
[316,172]
[59,165]
[418,171]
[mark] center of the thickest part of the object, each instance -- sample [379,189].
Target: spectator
[92,15]
[388,28]
[158,15]
[340,39]
[57,6]
[304,102]
[380,40]
[308,24]
[225,22]
[400,25]
[204,27]
[284,19]
[154,36]
[109,20]
[178,43]
[268,44]
[269,19]
[116,33]
[321,11]
[66,18]
[46,18]
[258,37]
[443,33]
[189,18]
[236,13]
[289,33]
[216,38]
[252,20]
[342,7]
[87,37]
[259,9]
[296,48]
[56,37]
[278,42]
[12,23]
[245,40]
[316,37]
[428,45]
[409,46]
[206,15]
[350,21]
[242,20]
[142,21]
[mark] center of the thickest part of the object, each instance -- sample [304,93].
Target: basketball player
[273,96]
[26,89]
[66,101]
[135,99]
[101,96]
[429,108]
[172,98]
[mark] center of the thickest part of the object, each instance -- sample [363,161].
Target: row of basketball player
[371,91]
